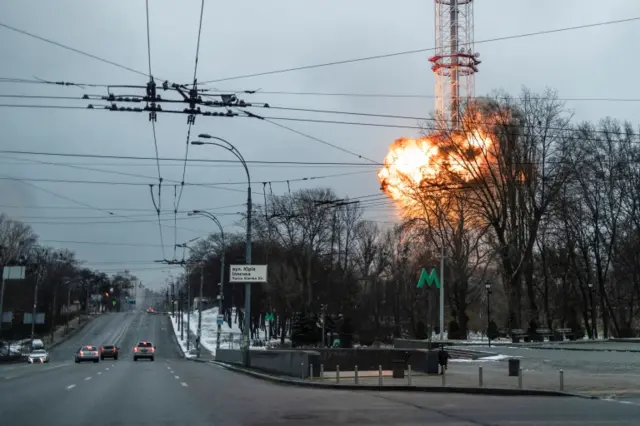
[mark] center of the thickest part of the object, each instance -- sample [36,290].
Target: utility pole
[35,306]
[442,294]
[188,305]
[181,315]
[199,337]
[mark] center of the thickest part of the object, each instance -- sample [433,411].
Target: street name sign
[248,274]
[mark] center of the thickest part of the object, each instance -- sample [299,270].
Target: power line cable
[192,118]
[55,43]
[414,51]
[197,160]
[410,96]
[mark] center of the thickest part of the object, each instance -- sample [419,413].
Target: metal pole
[2,302]
[35,305]
[188,306]
[247,286]
[220,293]
[489,314]
[442,294]
[200,310]
[324,319]
[181,313]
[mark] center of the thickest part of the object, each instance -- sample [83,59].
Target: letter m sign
[430,279]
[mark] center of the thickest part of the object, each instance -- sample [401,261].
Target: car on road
[144,350]
[88,353]
[38,355]
[109,351]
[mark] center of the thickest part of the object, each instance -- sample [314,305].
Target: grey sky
[253,36]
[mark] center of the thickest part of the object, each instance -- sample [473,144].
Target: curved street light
[221,292]
[247,298]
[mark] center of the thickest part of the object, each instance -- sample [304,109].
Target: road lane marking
[107,368]
[99,372]
[177,377]
[88,378]
[184,384]
[71,387]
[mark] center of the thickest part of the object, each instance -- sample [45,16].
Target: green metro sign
[430,279]
[269,317]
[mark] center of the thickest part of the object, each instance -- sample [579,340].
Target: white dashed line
[88,378]
[184,384]
[71,387]
[168,368]
[177,377]
[99,372]
[107,368]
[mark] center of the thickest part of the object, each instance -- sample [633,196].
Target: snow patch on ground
[181,342]
[230,334]
[493,358]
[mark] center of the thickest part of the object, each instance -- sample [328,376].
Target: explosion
[435,159]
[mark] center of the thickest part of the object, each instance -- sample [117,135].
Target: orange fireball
[415,163]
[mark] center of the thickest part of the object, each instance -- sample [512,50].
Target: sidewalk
[495,375]
[63,331]
[188,334]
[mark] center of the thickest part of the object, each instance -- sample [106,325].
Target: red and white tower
[455,62]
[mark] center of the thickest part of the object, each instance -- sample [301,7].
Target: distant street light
[488,287]
[221,291]
[247,298]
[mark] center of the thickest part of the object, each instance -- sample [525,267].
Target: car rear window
[89,348]
[108,347]
[145,344]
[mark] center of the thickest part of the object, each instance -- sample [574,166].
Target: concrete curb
[73,333]
[549,348]
[175,339]
[400,388]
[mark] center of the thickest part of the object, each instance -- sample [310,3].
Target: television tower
[455,61]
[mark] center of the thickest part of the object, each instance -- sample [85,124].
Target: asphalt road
[174,391]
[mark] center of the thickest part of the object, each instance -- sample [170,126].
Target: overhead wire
[72,49]
[191,119]
[152,119]
[423,50]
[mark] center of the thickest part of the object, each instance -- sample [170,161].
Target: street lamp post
[221,285]
[593,313]
[488,287]
[247,298]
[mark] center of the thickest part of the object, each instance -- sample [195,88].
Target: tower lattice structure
[455,61]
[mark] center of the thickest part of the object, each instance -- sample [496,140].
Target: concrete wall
[286,363]
[231,356]
[371,358]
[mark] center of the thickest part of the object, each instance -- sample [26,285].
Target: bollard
[444,377]
[561,380]
[311,371]
[321,371]
[355,370]
[409,374]
[520,379]
[379,375]
[302,370]
[337,374]
[480,376]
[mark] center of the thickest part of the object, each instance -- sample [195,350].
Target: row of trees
[59,277]
[542,210]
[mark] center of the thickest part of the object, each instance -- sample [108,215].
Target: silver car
[38,355]
[144,350]
[88,353]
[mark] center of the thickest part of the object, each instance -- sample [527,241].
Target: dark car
[144,350]
[109,351]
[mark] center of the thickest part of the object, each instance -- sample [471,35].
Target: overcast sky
[247,37]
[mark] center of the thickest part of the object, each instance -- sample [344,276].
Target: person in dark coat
[443,359]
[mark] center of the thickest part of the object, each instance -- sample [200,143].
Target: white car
[38,355]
